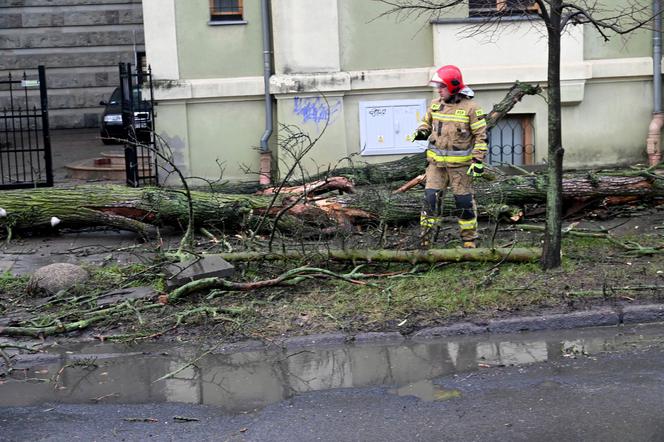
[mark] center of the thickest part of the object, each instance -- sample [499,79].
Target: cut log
[144,209]
[521,254]
[122,207]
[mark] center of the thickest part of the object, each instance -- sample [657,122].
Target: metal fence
[138,117]
[512,141]
[25,142]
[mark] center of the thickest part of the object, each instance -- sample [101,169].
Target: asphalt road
[608,397]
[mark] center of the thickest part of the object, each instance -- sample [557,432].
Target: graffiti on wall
[317,110]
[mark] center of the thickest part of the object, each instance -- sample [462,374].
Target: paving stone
[192,270]
[117,296]
[643,313]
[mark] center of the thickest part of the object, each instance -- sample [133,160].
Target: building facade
[80,42]
[342,69]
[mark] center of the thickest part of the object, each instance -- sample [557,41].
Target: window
[511,141]
[484,8]
[225,10]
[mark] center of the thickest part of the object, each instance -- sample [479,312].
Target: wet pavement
[70,145]
[23,255]
[591,384]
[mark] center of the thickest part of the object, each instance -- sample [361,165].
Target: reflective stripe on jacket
[457,131]
[449,156]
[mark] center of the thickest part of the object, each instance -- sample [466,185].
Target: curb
[600,317]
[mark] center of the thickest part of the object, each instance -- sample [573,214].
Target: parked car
[113,131]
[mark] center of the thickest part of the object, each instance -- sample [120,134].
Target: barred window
[484,8]
[512,141]
[226,10]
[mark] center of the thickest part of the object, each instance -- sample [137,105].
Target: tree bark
[551,256]
[123,207]
[143,209]
[521,254]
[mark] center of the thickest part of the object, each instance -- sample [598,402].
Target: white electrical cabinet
[384,126]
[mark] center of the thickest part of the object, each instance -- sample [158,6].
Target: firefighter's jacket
[457,132]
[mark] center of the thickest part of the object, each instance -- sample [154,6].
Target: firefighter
[455,127]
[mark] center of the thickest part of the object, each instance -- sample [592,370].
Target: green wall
[226,131]
[308,114]
[636,44]
[368,42]
[220,51]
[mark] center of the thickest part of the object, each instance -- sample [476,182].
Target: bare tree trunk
[518,254]
[551,255]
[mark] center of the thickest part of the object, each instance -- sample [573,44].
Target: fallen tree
[142,210]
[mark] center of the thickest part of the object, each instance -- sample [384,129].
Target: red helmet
[451,77]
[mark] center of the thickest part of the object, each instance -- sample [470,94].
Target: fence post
[46,132]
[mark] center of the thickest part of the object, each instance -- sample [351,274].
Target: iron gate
[25,142]
[137,101]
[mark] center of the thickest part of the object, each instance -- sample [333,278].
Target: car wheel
[106,139]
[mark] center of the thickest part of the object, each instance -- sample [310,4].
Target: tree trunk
[513,191]
[551,255]
[122,207]
[521,254]
[142,209]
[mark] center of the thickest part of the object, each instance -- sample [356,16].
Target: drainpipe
[653,147]
[266,155]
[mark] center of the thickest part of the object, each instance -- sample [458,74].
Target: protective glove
[419,134]
[476,169]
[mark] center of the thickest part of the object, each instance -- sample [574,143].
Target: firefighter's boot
[467,220]
[429,218]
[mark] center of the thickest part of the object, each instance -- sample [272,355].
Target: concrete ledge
[378,338]
[319,340]
[592,318]
[643,313]
[237,347]
[560,321]
[461,328]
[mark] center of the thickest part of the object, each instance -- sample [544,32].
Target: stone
[117,296]
[202,267]
[55,277]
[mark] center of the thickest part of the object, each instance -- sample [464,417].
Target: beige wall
[610,125]
[306,37]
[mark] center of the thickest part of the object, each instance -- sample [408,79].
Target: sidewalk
[70,145]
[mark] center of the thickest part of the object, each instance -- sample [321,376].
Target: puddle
[246,380]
